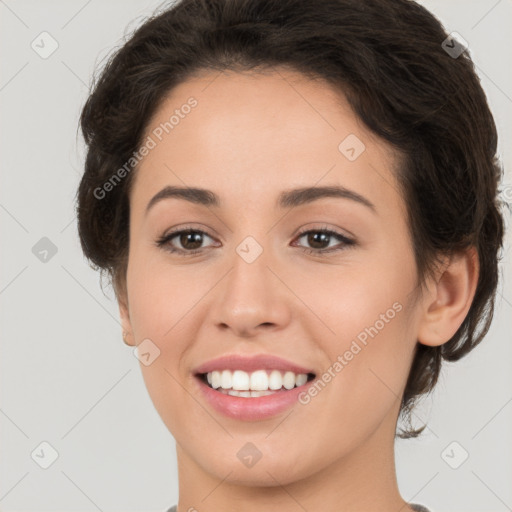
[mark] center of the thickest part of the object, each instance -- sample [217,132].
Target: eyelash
[163,242]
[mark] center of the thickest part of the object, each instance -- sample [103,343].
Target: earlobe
[450,298]
[125,321]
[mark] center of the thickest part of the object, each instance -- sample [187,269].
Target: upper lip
[250,363]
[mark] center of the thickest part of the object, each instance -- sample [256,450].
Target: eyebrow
[287,198]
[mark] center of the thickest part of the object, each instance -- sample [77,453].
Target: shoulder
[414,506]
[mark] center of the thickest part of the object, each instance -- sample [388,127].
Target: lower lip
[251,408]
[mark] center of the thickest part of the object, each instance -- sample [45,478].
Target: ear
[449,298]
[124,314]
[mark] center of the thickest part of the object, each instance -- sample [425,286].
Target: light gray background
[66,376]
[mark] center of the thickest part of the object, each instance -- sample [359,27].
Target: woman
[297,204]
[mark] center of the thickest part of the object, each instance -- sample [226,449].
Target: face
[325,282]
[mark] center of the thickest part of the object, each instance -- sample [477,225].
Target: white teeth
[240,380]
[226,380]
[247,394]
[275,380]
[289,380]
[249,384]
[259,380]
[215,377]
[301,379]
[260,393]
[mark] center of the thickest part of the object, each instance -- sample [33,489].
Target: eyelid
[343,240]
[186,227]
[298,232]
[322,226]
[336,231]
[172,232]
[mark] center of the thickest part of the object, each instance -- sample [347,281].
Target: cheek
[367,368]
[366,331]
[161,299]
[160,293]
[348,298]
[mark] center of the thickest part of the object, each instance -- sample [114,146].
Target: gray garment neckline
[417,507]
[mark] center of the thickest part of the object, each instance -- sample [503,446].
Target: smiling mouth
[254,384]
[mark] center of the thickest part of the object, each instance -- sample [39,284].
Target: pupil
[195,238]
[313,239]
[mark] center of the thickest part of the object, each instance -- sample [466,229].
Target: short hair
[388,58]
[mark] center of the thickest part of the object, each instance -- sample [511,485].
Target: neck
[362,480]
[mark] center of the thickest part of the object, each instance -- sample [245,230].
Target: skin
[250,137]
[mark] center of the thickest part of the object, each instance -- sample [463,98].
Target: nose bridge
[252,295]
[249,277]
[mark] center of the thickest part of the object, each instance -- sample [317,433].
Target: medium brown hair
[387,57]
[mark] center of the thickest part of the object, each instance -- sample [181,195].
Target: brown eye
[189,241]
[319,240]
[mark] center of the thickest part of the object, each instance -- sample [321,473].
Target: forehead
[252,133]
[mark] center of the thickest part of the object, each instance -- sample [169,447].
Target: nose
[252,299]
